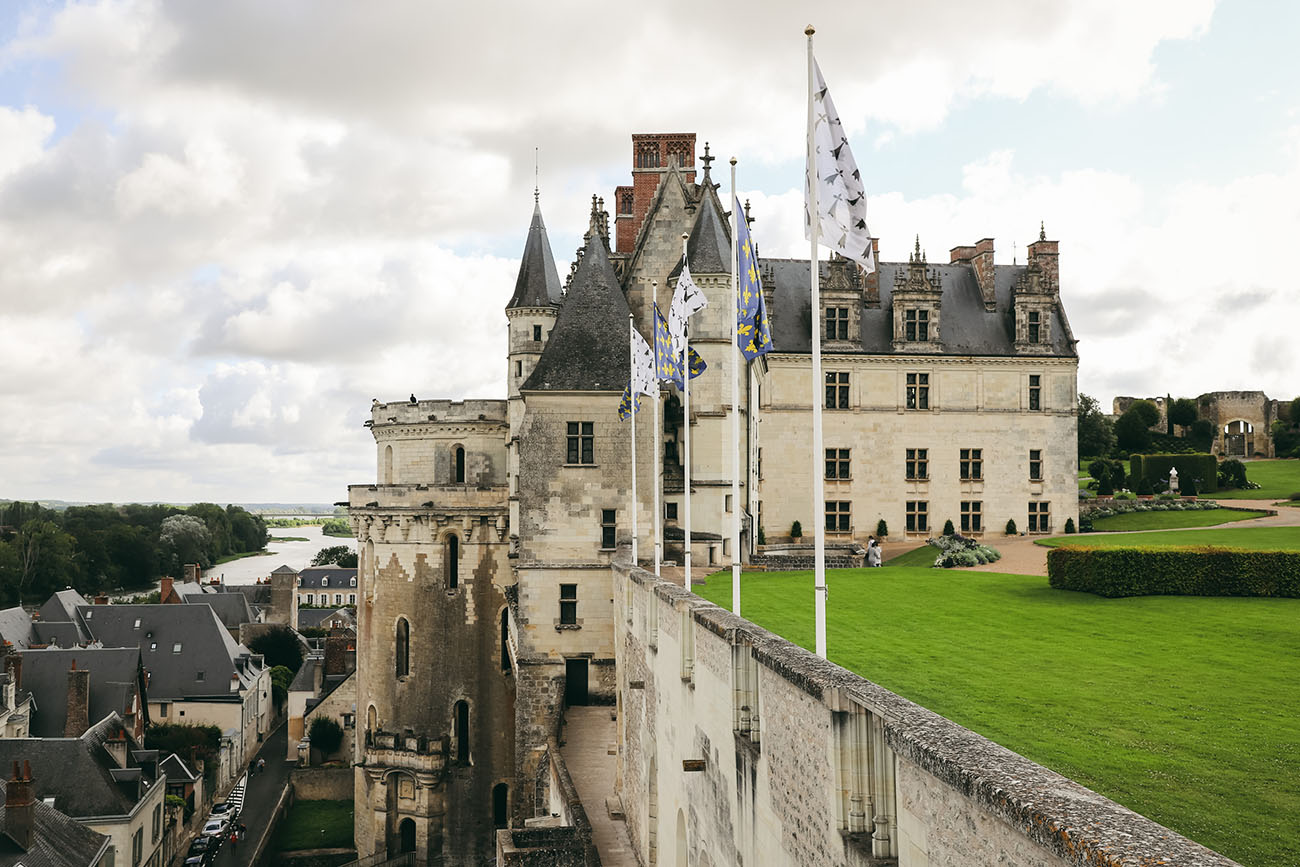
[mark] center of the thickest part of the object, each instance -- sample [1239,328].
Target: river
[295,555]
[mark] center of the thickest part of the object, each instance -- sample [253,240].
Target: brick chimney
[20,807]
[101,599]
[1044,252]
[165,588]
[980,259]
[116,746]
[192,574]
[78,719]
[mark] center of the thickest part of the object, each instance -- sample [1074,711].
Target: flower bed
[957,550]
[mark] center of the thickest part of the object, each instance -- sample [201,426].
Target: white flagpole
[635,396]
[658,432]
[818,493]
[686,424]
[737,361]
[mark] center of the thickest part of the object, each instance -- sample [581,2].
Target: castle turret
[531,311]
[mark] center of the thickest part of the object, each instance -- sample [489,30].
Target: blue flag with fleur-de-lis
[753,332]
[668,365]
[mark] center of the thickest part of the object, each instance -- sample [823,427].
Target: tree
[339,555]
[281,677]
[1145,410]
[1202,433]
[280,645]
[1096,432]
[184,539]
[337,527]
[326,735]
[179,738]
[1100,472]
[1132,432]
[948,528]
[1182,412]
[41,562]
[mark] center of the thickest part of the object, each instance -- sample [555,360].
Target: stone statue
[1173,480]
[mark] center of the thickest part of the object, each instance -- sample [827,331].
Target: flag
[687,301]
[753,333]
[668,364]
[643,378]
[841,196]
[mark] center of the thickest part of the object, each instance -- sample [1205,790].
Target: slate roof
[16,626]
[709,247]
[61,605]
[231,609]
[339,577]
[58,634]
[114,676]
[966,328]
[538,284]
[310,618]
[588,347]
[57,840]
[305,679]
[255,593]
[205,647]
[76,772]
[176,771]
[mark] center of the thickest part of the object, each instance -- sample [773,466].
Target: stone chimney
[116,746]
[78,719]
[1044,253]
[980,259]
[14,666]
[20,807]
[336,652]
[165,588]
[192,573]
[871,282]
[101,599]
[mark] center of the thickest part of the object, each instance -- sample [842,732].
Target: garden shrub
[957,550]
[1011,526]
[1232,474]
[948,528]
[1144,487]
[762,537]
[1069,526]
[1191,571]
[882,529]
[796,530]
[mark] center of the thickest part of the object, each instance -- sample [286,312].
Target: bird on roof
[413,401]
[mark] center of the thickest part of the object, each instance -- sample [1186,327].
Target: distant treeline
[106,547]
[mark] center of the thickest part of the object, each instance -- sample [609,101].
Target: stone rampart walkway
[590,753]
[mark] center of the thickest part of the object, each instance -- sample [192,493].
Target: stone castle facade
[488,542]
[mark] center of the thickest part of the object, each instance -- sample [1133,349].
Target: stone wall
[738,747]
[321,784]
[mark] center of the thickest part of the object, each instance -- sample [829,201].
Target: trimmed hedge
[1190,466]
[1191,571]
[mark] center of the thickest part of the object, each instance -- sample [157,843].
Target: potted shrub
[882,529]
[1011,527]
[796,531]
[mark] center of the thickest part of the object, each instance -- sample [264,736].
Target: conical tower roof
[538,284]
[709,247]
[588,348]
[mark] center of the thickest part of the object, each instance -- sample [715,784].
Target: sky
[226,227]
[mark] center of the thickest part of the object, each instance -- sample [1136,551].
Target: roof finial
[1042,231]
[748,219]
[536,185]
[707,159]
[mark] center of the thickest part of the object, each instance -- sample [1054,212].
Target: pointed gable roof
[538,284]
[709,247]
[588,348]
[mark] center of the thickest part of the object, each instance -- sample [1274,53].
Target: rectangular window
[200,675]
[311,599]
[726,503]
[837,390]
[1035,465]
[582,443]
[918,516]
[916,325]
[1040,518]
[537,333]
[745,690]
[670,511]
[137,847]
[837,323]
[569,604]
[1035,392]
[607,528]
[972,516]
[918,391]
[918,464]
[352,599]
[519,369]
[837,516]
[760,462]
[338,598]
[972,465]
[837,463]
[1033,326]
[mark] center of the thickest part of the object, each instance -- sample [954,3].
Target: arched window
[403,654]
[388,465]
[505,639]
[458,465]
[462,732]
[325,581]
[500,805]
[372,718]
[352,582]
[452,566]
[681,840]
[406,831]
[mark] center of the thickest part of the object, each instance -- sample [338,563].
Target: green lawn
[1170,520]
[1184,709]
[923,556]
[315,825]
[1277,480]
[228,558]
[1254,538]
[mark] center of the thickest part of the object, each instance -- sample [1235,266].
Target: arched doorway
[1237,438]
[406,836]
[500,805]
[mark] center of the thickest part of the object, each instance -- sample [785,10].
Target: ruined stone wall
[974,404]
[835,770]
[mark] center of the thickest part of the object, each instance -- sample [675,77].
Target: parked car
[215,826]
[223,807]
[203,851]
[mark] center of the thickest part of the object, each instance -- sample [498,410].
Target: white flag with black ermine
[841,196]
[643,367]
[687,301]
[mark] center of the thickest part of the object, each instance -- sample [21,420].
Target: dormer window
[837,323]
[352,582]
[1034,326]
[325,581]
[916,324]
